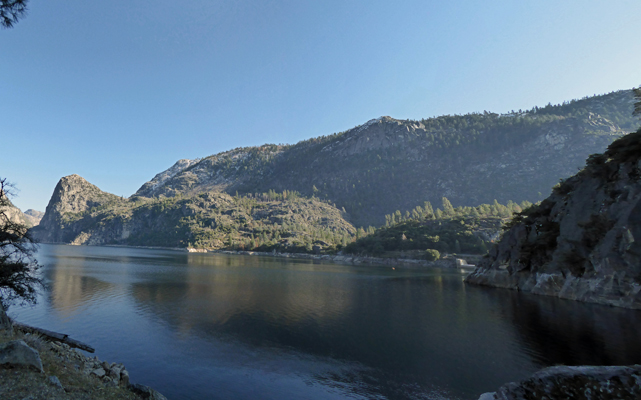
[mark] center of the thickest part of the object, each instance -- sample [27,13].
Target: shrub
[432,255]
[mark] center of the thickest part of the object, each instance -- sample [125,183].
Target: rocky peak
[73,195]
[378,133]
[216,172]
[33,216]
[149,188]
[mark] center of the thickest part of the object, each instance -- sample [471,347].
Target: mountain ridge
[362,174]
[460,157]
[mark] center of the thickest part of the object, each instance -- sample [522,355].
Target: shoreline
[37,363]
[448,262]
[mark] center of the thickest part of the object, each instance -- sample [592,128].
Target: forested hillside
[284,221]
[428,232]
[387,164]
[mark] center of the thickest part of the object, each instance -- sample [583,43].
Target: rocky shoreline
[582,382]
[34,366]
[446,262]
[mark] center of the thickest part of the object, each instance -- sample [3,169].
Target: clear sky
[117,91]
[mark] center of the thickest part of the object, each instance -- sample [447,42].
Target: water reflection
[559,332]
[283,328]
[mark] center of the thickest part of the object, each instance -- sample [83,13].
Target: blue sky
[117,91]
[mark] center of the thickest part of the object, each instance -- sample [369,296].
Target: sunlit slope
[79,213]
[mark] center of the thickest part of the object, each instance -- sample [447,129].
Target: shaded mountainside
[584,241]
[79,213]
[447,235]
[387,164]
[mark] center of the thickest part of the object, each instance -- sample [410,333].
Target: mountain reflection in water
[214,326]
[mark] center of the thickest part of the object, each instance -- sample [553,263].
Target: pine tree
[448,209]
[11,11]
[18,265]
[429,211]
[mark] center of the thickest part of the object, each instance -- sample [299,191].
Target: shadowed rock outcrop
[589,383]
[584,241]
[17,354]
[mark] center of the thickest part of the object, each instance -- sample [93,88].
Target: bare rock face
[17,354]
[33,216]
[72,196]
[584,241]
[149,188]
[15,215]
[589,383]
[29,218]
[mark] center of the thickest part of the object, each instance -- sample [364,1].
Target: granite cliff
[584,241]
[388,164]
[28,218]
[72,197]
[33,217]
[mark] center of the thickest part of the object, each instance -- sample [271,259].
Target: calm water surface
[200,326]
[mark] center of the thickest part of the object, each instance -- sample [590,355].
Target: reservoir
[211,326]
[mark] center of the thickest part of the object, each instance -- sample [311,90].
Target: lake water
[206,326]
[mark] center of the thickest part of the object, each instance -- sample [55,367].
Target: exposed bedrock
[581,243]
[561,382]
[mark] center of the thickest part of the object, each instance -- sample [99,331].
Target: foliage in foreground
[18,266]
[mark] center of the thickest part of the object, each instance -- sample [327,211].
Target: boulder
[55,382]
[124,378]
[582,382]
[114,373]
[146,392]
[18,354]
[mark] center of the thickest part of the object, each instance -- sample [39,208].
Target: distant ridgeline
[314,193]
[388,164]
[426,232]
